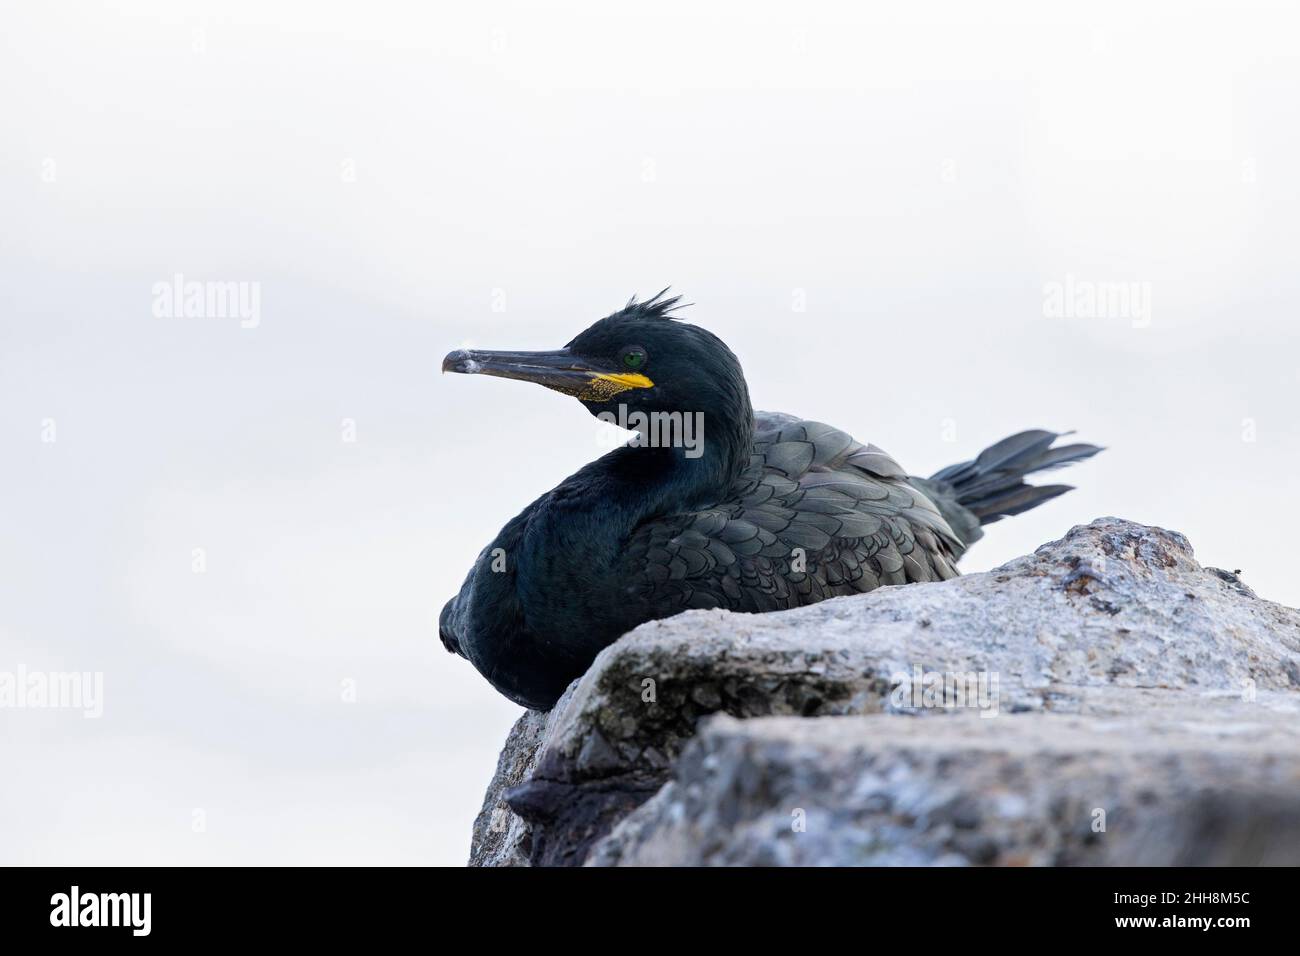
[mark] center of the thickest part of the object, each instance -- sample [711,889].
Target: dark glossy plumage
[776,512]
[814,514]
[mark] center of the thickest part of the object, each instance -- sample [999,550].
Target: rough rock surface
[1103,700]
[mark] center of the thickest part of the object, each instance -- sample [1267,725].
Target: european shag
[767,512]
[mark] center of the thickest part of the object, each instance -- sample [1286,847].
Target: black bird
[768,511]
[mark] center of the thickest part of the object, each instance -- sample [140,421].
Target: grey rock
[500,836]
[980,720]
[1181,783]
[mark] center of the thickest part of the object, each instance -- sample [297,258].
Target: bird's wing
[816,514]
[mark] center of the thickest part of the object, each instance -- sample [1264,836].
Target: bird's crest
[655,307]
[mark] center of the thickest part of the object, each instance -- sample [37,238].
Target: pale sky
[868,202]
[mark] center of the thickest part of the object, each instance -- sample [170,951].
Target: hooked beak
[559,369]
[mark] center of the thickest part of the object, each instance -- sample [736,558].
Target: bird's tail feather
[992,486]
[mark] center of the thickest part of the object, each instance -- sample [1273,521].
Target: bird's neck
[580,533]
[688,460]
[653,478]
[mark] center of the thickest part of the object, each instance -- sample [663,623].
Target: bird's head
[640,357]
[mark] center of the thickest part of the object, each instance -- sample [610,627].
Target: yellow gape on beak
[605,385]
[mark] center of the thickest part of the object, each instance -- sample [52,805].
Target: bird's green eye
[634,358]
